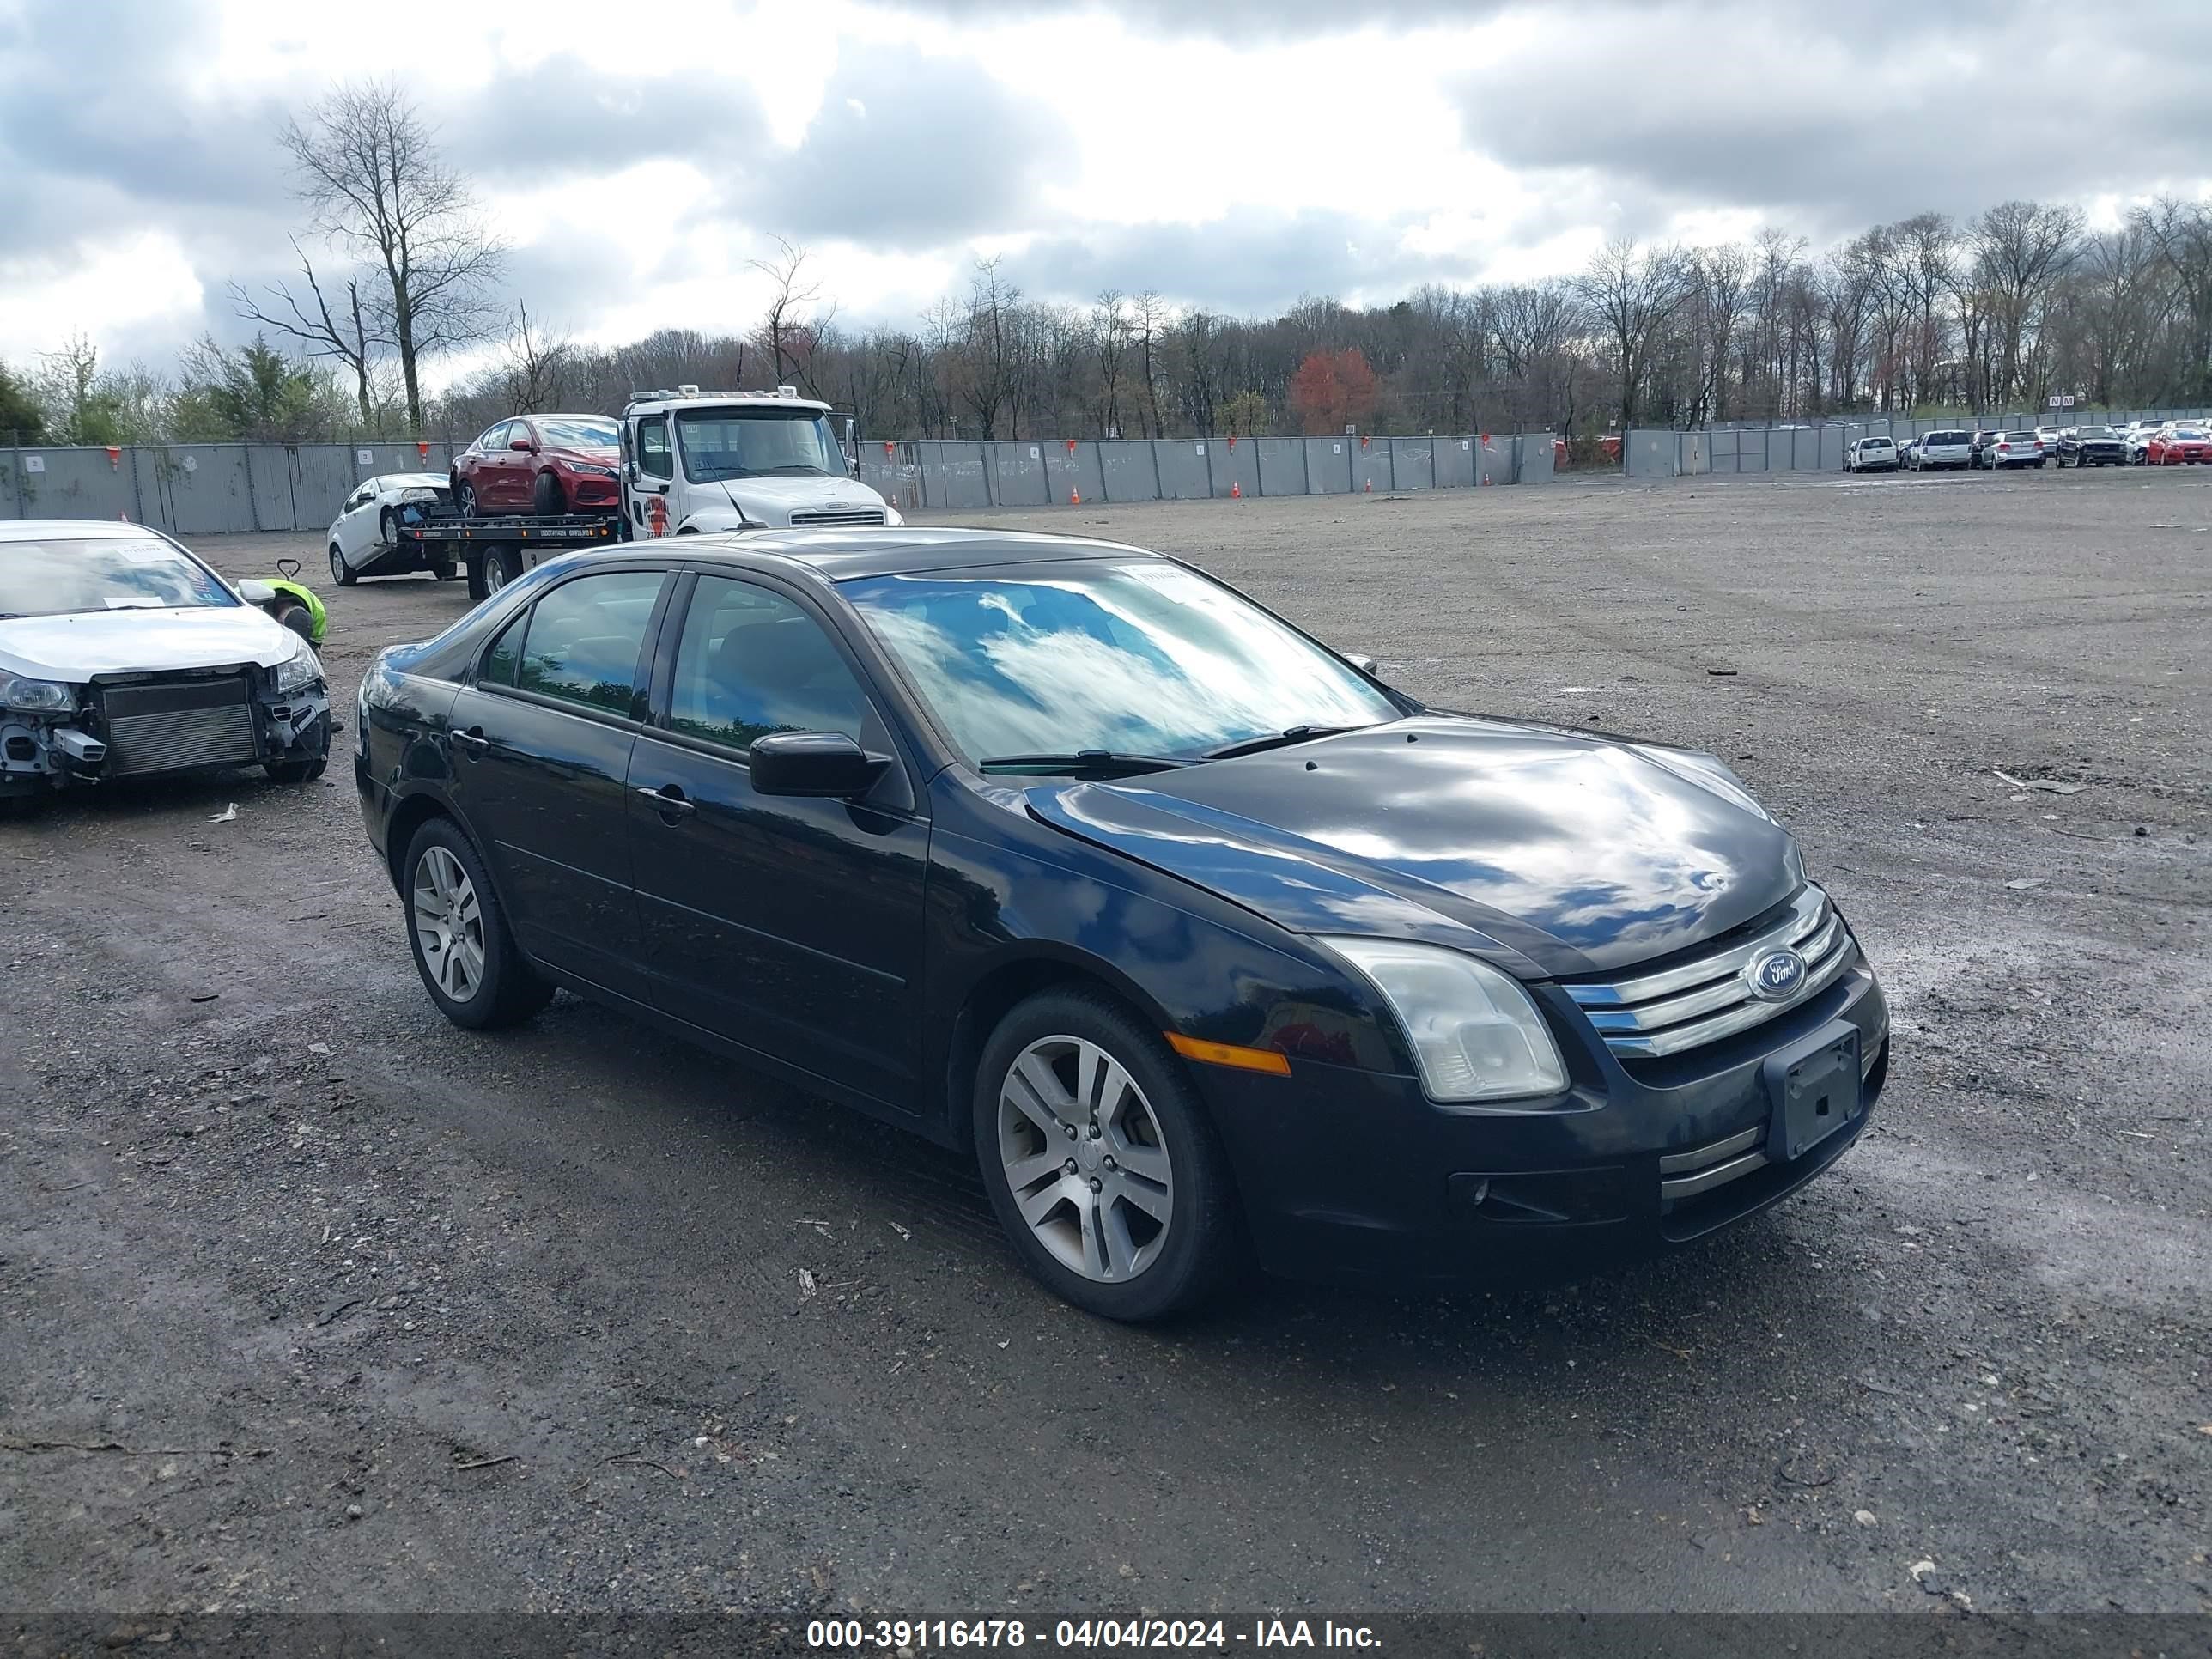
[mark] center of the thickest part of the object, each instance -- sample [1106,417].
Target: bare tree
[370,172]
[344,333]
[796,319]
[2021,248]
[536,366]
[2183,233]
[1109,332]
[1635,294]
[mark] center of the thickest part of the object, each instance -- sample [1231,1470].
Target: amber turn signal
[1229,1053]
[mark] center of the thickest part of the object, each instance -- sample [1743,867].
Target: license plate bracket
[1814,1087]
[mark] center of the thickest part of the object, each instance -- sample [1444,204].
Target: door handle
[669,800]
[471,738]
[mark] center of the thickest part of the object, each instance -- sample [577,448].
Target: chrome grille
[169,725]
[1701,1001]
[836,516]
[1685,1175]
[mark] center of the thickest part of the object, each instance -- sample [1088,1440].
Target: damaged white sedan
[124,656]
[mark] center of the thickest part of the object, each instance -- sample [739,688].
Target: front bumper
[173,727]
[1357,1177]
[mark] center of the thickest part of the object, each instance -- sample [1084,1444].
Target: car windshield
[2193,434]
[2099,432]
[756,443]
[578,434]
[1137,656]
[107,573]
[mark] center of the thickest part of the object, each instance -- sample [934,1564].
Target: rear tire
[1069,1079]
[459,934]
[465,500]
[342,572]
[545,495]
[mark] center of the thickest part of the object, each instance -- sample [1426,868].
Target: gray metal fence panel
[1494,458]
[1412,463]
[1369,464]
[205,489]
[1075,470]
[1235,466]
[1538,459]
[1751,449]
[1726,449]
[1020,479]
[953,475]
[1126,465]
[1650,454]
[1328,465]
[71,483]
[1183,467]
[1831,449]
[269,480]
[1454,463]
[322,478]
[1282,465]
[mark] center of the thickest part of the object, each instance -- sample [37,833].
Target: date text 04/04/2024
[922,1635]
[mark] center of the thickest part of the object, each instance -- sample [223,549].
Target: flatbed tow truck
[496,550]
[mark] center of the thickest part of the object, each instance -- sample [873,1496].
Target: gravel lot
[311,1301]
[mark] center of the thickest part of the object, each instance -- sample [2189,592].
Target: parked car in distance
[1949,447]
[541,464]
[1194,933]
[2006,449]
[2179,442]
[1979,444]
[1871,455]
[2091,445]
[2136,436]
[1905,447]
[2048,436]
[363,539]
[124,656]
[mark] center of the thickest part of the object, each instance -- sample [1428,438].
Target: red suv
[541,464]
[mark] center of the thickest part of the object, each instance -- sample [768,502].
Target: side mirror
[523,444]
[822,764]
[255,592]
[1365,664]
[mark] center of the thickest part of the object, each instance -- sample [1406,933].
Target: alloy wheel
[1085,1159]
[337,566]
[448,924]
[495,570]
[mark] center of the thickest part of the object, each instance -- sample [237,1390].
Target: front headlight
[1475,1033]
[302,669]
[596,471]
[39,696]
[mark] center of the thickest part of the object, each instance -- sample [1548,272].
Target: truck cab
[695,462]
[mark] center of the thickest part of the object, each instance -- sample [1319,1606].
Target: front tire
[545,495]
[307,767]
[459,937]
[1099,1159]
[342,572]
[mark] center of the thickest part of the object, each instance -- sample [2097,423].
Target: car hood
[83,644]
[1552,852]
[774,500]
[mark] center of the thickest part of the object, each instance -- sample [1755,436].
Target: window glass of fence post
[751,663]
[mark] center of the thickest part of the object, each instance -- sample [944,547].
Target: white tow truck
[694,462]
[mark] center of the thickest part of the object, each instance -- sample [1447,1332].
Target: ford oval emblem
[1776,975]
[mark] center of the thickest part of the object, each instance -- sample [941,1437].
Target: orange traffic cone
[1370,486]
[1074,498]
[1235,490]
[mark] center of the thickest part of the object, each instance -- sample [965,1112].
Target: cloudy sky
[1233,152]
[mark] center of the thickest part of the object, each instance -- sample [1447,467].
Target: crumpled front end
[158,725]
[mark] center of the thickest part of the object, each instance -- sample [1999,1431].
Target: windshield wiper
[1086,760]
[1277,741]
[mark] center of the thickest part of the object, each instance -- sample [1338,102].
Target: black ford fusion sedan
[1198,935]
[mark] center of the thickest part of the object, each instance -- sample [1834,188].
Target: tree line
[396,271]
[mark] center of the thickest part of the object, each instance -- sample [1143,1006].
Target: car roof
[841,555]
[75,530]
[555,414]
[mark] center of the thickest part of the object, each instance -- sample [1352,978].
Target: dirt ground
[312,1301]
